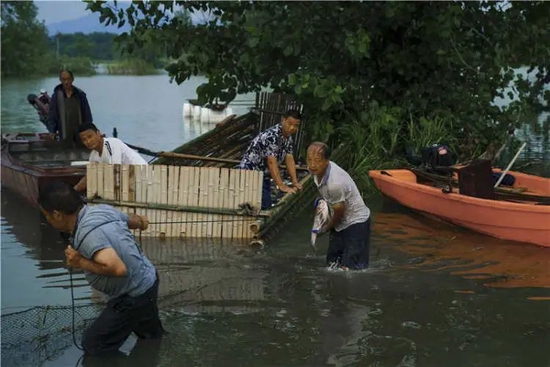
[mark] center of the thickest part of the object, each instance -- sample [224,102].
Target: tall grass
[379,137]
[371,142]
[131,67]
[424,132]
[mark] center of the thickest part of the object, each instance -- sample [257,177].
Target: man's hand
[144,221]
[285,188]
[73,258]
[322,231]
[297,185]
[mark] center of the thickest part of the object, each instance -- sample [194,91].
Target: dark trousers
[266,194]
[121,317]
[350,247]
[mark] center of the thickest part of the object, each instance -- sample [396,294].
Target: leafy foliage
[24,39]
[444,61]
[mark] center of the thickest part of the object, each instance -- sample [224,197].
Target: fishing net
[41,333]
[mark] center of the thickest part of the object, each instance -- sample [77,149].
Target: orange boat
[525,218]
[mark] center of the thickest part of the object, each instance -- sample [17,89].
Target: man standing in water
[268,150]
[104,248]
[69,108]
[350,224]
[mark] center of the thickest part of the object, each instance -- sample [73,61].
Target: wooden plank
[203,200]
[149,198]
[163,199]
[247,199]
[100,180]
[214,201]
[183,192]
[91,180]
[109,178]
[117,177]
[173,184]
[132,183]
[193,199]
[234,184]
[144,171]
[257,189]
[224,200]
[125,183]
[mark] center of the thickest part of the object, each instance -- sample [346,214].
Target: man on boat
[104,248]
[69,108]
[268,150]
[105,150]
[350,223]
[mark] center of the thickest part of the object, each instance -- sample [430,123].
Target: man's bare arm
[338,211]
[136,221]
[276,174]
[81,185]
[104,262]
[291,168]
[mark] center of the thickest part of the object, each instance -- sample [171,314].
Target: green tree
[444,61]
[24,39]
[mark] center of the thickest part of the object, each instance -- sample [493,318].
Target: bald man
[69,108]
[350,224]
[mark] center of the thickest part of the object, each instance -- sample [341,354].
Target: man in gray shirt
[349,225]
[104,248]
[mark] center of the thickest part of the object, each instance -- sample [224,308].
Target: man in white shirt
[105,150]
[350,223]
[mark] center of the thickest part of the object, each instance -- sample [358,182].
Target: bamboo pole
[510,165]
[191,209]
[212,159]
[291,202]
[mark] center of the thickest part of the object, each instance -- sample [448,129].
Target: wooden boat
[31,160]
[521,215]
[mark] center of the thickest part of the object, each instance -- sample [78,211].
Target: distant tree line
[27,50]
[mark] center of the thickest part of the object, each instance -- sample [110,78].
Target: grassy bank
[131,67]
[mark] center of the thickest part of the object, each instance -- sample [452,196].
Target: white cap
[43,91]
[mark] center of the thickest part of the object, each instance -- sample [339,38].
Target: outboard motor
[437,155]
[432,157]
[42,106]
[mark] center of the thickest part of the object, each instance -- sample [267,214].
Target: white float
[205,115]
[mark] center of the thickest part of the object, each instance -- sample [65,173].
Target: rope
[73,326]
[198,221]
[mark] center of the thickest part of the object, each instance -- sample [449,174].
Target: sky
[60,10]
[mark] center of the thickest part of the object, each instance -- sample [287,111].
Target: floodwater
[435,294]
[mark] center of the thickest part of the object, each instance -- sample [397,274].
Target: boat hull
[523,222]
[23,171]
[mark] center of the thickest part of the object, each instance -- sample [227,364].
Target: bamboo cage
[197,191]
[180,201]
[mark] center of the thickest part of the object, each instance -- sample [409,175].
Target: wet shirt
[337,186]
[100,227]
[269,142]
[116,152]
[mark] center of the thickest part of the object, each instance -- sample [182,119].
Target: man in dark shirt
[268,150]
[69,108]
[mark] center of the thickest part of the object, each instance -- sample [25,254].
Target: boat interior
[477,180]
[43,153]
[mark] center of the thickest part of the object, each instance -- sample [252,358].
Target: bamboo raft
[195,191]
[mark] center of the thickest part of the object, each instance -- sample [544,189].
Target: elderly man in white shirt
[350,223]
[105,150]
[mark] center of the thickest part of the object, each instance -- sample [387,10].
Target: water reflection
[32,259]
